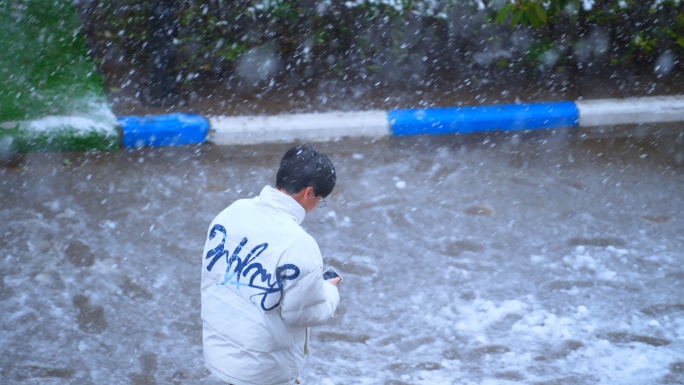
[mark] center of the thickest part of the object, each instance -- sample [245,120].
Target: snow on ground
[466,260]
[99,119]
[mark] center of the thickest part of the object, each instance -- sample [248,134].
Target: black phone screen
[331,273]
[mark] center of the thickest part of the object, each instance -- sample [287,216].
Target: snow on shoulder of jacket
[262,286]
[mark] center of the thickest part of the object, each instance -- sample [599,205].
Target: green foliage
[44,66]
[205,40]
[523,12]
[643,44]
[328,35]
[640,29]
[538,51]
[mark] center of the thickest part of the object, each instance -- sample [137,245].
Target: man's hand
[335,281]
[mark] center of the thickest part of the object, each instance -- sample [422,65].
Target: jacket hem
[234,381]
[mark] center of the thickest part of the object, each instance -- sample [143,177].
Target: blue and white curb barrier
[505,117]
[162,130]
[178,129]
[314,127]
[611,112]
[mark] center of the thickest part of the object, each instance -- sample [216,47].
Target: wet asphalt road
[101,255]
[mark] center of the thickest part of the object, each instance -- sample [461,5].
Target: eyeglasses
[322,203]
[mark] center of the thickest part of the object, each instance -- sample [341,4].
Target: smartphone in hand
[330,274]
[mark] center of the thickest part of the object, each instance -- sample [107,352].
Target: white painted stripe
[285,128]
[610,112]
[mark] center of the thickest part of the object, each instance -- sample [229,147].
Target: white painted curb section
[611,112]
[226,130]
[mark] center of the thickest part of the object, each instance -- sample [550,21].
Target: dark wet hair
[303,166]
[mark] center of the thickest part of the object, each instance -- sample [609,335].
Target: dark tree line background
[175,53]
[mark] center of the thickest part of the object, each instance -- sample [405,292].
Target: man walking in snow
[262,277]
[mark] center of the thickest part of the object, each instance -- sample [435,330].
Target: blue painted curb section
[505,117]
[179,129]
[162,130]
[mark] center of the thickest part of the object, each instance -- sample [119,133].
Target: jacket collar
[282,202]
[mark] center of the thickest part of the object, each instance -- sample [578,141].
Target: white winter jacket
[262,287]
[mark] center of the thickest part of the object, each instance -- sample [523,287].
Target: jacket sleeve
[308,300]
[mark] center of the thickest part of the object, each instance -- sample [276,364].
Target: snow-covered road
[466,260]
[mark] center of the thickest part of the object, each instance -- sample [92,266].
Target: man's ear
[309,192]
